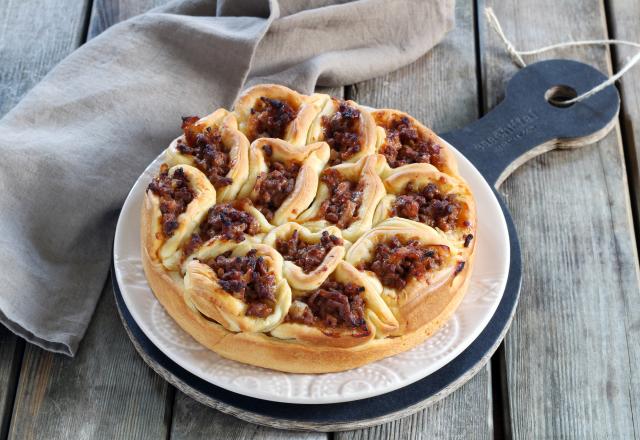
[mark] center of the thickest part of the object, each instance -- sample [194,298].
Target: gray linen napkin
[72,148]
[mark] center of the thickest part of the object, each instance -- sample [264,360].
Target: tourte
[308,234]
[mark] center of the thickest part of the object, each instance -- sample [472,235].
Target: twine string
[516,55]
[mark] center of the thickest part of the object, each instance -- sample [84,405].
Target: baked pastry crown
[342,237]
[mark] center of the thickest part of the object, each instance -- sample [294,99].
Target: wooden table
[570,365]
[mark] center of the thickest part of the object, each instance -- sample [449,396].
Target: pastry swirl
[308,234]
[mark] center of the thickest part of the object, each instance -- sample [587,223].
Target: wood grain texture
[193,420]
[623,24]
[624,19]
[34,36]
[106,391]
[420,90]
[569,353]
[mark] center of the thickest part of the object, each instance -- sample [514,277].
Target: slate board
[523,125]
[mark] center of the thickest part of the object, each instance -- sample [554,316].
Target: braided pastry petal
[218,127]
[165,248]
[378,319]
[204,291]
[274,111]
[310,159]
[297,278]
[368,187]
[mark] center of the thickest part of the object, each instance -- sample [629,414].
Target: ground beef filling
[208,151]
[270,118]
[332,305]
[395,262]
[174,193]
[249,279]
[274,186]
[341,132]
[341,208]
[225,221]
[430,206]
[403,145]
[305,255]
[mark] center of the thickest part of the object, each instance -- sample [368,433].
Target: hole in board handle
[558,95]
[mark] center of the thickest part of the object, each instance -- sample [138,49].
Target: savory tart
[308,234]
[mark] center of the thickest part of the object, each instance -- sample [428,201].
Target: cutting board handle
[532,119]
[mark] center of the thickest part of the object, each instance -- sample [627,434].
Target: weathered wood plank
[34,36]
[106,391]
[569,354]
[623,18]
[29,47]
[192,420]
[11,349]
[440,89]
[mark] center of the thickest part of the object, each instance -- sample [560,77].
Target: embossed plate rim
[301,386]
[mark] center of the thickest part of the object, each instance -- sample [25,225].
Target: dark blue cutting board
[529,121]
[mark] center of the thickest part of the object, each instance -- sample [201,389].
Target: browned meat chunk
[341,208]
[227,221]
[333,305]
[174,194]
[341,132]
[270,118]
[428,205]
[249,279]
[273,187]
[305,255]
[209,153]
[403,145]
[395,263]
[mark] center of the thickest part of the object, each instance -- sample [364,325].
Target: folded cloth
[72,148]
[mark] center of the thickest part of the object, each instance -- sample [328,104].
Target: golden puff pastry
[310,257]
[403,141]
[420,273]
[347,196]
[347,127]
[421,193]
[174,204]
[283,179]
[365,317]
[227,282]
[214,145]
[350,238]
[274,111]
[231,222]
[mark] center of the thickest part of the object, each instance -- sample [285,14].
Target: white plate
[487,286]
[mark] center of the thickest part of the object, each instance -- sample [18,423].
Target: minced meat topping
[208,151]
[341,132]
[333,304]
[395,262]
[305,255]
[274,186]
[341,207]
[174,193]
[428,205]
[403,145]
[249,279]
[225,220]
[270,118]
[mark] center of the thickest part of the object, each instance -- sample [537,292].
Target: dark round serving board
[522,126]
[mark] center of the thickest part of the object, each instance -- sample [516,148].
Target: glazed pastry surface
[308,234]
